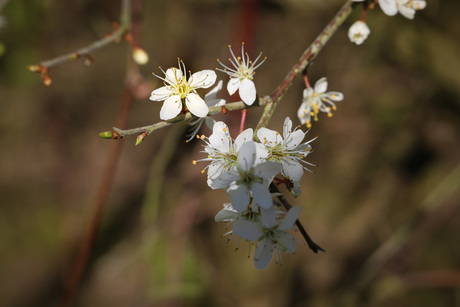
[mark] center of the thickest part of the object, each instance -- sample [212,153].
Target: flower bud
[140,56]
[358,32]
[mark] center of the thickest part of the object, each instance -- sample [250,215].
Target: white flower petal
[321,85]
[418,4]
[269,217]
[161,93]
[261,195]
[267,169]
[292,169]
[263,254]
[335,96]
[233,85]
[294,139]
[171,107]
[290,218]
[239,197]
[287,243]
[243,137]
[269,137]
[287,127]
[247,155]
[220,137]
[173,75]
[196,105]
[203,79]
[247,91]
[226,215]
[407,12]
[247,230]
[358,32]
[388,7]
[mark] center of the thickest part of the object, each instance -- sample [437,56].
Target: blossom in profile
[242,75]
[178,90]
[358,32]
[317,100]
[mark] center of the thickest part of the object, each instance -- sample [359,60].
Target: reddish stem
[243,119]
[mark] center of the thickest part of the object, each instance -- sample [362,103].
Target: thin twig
[81,261]
[268,102]
[233,106]
[307,57]
[311,244]
[85,52]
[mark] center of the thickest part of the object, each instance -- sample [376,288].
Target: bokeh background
[384,200]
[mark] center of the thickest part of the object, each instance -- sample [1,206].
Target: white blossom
[222,150]
[249,180]
[316,100]
[177,88]
[288,150]
[242,75]
[270,235]
[358,32]
[407,8]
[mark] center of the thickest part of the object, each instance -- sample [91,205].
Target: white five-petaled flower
[223,151]
[270,235]
[178,88]
[241,75]
[211,100]
[314,101]
[288,150]
[406,8]
[249,179]
[358,32]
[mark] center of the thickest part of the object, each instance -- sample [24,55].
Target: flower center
[244,72]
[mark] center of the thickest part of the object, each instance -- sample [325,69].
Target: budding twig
[85,52]
[233,106]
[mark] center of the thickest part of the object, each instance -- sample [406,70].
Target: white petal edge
[171,107]
[203,79]
[233,85]
[196,105]
[247,91]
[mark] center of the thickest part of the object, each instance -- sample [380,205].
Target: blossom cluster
[359,30]
[245,169]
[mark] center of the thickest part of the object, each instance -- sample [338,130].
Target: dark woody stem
[312,245]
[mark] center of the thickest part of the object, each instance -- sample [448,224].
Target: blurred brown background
[384,201]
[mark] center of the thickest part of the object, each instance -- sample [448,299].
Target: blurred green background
[384,200]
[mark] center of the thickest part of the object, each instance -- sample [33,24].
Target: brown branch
[311,244]
[307,57]
[82,258]
[85,52]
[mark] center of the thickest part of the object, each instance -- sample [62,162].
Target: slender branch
[117,133]
[125,22]
[268,102]
[307,57]
[311,244]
